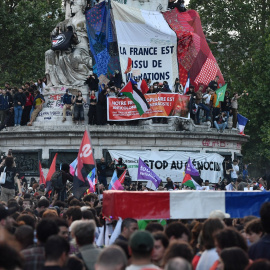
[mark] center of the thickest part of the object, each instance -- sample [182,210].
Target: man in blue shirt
[67,100]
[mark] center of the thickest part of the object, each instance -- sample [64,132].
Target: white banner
[146,38]
[172,164]
[157,5]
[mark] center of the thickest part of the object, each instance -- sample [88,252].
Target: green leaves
[244,59]
[25,28]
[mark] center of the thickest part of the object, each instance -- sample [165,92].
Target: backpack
[56,180]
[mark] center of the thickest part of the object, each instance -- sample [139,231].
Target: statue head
[77,6]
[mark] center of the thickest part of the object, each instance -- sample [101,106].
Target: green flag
[221,94]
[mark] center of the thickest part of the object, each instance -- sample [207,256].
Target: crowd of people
[37,233]
[52,229]
[21,106]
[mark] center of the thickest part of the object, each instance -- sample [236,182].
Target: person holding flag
[216,99]
[145,173]
[116,182]
[85,165]
[234,104]
[192,177]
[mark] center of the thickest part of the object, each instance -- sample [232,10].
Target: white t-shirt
[235,169]
[207,98]
[207,259]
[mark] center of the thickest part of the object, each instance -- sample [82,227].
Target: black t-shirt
[213,85]
[102,167]
[120,169]
[10,175]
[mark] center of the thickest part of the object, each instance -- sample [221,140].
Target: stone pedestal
[52,112]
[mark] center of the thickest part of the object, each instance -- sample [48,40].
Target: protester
[37,106]
[234,259]
[19,102]
[234,104]
[102,168]
[34,257]
[160,245]
[210,255]
[79,108]
[141,245]
[178,249]
[120,167]
[128,227]
[177,231]
[56,253]
[178,264]
[68,105]
[8,188]
[261,248]
[92,113]
[254,230]
[85,234]
[111,258]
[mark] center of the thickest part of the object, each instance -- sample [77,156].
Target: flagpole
[94,159]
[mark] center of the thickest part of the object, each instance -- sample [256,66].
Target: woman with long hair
[78,108]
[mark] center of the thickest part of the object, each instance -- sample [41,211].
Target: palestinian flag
[130,90]
[189,182]
[192,178]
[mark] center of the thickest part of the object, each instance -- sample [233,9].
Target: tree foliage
[242,27]
[25,28]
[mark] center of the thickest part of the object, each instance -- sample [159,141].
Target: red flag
[52,169]
[41,175]
[144,87]
[86,163]
[121,179]
[129,66]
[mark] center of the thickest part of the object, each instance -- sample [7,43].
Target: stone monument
[66,69]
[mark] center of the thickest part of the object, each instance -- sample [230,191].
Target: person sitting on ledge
[220,122]
[37,107]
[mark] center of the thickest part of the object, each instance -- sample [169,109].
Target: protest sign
[145,37]
[161,105]
[172,164]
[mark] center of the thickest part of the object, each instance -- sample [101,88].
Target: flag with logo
[145,173]
[85,165]
[242,121]
[221,94]
[52,168]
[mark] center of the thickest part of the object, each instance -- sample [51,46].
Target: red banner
[161,105]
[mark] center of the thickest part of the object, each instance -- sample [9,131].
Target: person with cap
[219,214]
[67,101]
[141,244]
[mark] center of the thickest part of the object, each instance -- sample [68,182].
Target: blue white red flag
[242,121]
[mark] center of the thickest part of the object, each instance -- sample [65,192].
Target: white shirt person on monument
[69,61]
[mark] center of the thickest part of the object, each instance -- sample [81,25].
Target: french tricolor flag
[242,121]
